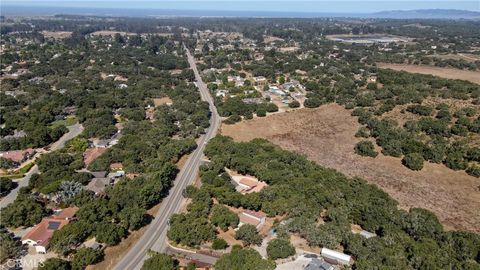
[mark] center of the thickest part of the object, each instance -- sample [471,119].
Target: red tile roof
[249,220]
[18,155]
[255,214]
[248,182]
[116,166]
[43,231]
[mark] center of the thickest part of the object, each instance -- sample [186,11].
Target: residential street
[155,236]
[73,131]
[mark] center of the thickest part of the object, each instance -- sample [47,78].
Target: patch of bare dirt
[326,136]
[56,34]
[270,39]
[160,101]
[111,33]
[448,73]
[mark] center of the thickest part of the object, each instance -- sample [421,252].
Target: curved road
[156,235]
[73,131]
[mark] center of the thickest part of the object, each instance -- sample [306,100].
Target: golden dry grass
[448,73]
[160,101]
[326,136]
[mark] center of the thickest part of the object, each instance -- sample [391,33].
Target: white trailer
[335,256]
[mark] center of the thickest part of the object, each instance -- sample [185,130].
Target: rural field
[326,136]
[448,73]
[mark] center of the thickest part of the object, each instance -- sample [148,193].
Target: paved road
[155,236]
[73,131]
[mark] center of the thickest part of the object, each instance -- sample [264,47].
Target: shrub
[456,161]
[392,148]
[459,130]
[243,259]
[420,110]
[372,86]
[272,107]
[55,264]
[249,235]
[261,113]
[6,185]
[413,161]
[233,119]
[160,262]
[248,115]
[294,104]
[86,256]
[279,249]
[365,148]
[223,217]
[444,115]
[473,170]
[10,246]
[363,132]
[312,102]
[219,243]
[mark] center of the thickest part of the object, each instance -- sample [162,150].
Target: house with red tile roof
[41,234]
[250,185]
[18,156]
[116,166]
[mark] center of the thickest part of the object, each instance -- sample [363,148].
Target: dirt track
[448,73]
[326,136]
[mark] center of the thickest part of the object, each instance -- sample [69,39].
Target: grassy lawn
[13,176]
[26,168]
[70,120]
[20,172]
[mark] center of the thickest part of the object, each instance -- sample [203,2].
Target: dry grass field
[448,73]
[111,33]
[326,136]
[160,101]
[460,56]
[56,34]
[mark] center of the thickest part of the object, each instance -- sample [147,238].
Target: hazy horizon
[312,6]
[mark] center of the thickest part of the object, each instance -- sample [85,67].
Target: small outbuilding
[336,257]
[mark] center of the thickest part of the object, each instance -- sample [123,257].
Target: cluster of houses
[19,72]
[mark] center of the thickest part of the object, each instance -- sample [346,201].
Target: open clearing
[111,33]
[448,73]
[460,56]
[326,136]
[56,34]
[160,101]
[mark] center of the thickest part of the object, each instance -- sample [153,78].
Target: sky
[342,6]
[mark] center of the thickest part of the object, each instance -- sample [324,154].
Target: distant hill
[427,14]
[24,10]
